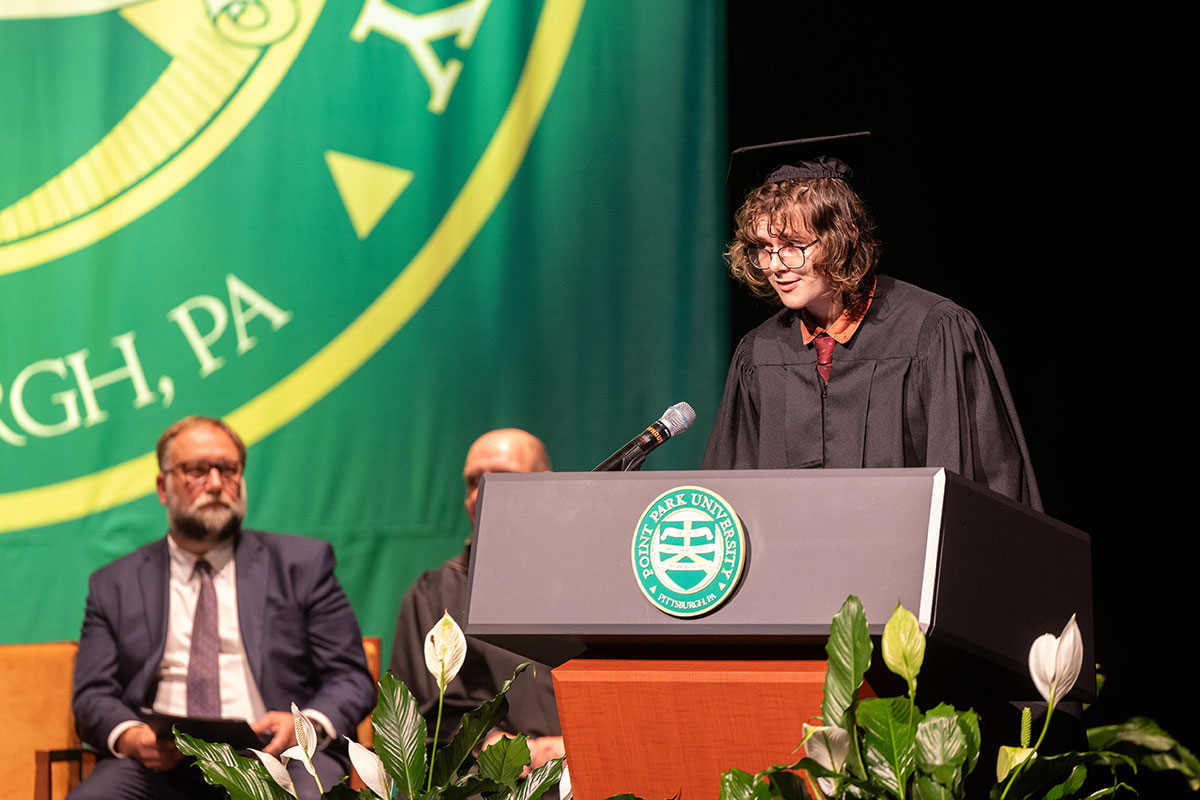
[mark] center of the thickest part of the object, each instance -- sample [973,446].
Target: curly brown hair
[828,209]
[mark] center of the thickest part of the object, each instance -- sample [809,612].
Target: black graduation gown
[531,708]
[918,385]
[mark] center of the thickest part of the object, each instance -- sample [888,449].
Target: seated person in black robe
[532,710]
[857,369]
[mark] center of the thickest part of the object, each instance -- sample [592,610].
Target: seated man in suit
[532,710]
[214,621]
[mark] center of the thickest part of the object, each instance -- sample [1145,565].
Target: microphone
[676,419]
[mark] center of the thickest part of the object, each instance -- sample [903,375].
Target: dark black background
[1034,164]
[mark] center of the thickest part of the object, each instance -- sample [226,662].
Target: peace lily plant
[887,747]
[400,765]
[306,745]
[1054,664]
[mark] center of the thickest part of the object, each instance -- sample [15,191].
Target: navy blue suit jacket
[301,638]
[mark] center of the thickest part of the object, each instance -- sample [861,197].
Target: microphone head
[678,418]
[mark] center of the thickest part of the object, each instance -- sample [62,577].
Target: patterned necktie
[824,344]
[203,692]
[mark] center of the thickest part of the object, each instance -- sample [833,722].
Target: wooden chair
[37,740]
[39,728]
[372,646]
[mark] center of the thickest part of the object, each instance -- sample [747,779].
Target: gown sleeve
[733,443]
[531,699]
[970,419]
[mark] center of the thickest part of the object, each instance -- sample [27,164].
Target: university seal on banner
[688,551]
[234,205]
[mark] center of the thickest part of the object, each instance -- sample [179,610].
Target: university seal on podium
[688,551]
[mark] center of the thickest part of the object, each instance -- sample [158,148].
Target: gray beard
[207,525]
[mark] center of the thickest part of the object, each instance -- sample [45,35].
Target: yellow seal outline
[362,338]
[144,182]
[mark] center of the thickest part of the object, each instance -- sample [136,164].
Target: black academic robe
[531,707]
[918,385]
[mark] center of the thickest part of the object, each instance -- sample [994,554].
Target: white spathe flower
[445,650]
[828,745]
[1009,758]
[306,741]
[1055,661]
[903,645]
[370,769]
[277,771]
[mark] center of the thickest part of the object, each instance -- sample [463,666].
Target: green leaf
[888,742]
[1108,791]
[968,726]
[1140,731]
[941,750]
[926,788]
[1042,772]
[1171,762]
[789,786]
[849,655]
[343,792]
[400,736]
[941,710]
[1149,746]
[810,766]
[969,722]
[503,760]
[940,743]
[475,725]
[467,786]
[854,757]
[539,780]
[903,646]
[1070,786]
[739,785]
[243,778]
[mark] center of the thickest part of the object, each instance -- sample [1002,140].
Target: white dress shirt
[239,693]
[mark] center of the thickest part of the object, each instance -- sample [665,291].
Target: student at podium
[857,369]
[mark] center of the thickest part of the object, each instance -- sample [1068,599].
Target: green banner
[364,232]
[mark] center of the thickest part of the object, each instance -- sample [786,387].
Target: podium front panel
[552,572]
[552,557]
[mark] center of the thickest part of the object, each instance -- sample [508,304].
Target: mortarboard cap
[819,157]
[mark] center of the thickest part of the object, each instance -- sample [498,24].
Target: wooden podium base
[664,728]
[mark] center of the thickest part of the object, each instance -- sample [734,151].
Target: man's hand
[282,727]
[543,749]
[140,742]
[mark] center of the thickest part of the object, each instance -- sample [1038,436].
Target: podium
[657,704]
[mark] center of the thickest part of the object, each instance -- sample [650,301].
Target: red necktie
[824,344]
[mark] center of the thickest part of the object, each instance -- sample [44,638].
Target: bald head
[505,450]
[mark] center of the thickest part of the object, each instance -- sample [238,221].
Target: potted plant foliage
[400,764]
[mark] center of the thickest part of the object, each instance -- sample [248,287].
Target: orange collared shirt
[843,328]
